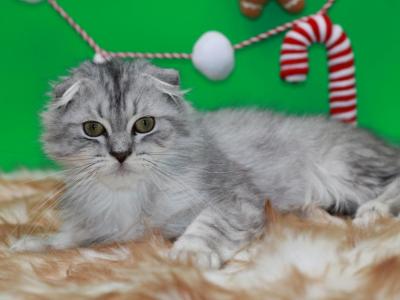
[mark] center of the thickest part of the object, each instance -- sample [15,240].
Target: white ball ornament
[213,55]
[100,59]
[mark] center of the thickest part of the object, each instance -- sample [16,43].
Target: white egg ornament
[213,55]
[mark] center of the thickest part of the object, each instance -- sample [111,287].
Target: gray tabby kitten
[137,157]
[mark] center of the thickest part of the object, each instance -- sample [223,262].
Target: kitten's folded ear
[169,76]
[64,92]
[67,90]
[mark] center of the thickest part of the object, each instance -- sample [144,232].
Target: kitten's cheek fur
[194,251]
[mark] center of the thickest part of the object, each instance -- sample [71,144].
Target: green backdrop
[37,46]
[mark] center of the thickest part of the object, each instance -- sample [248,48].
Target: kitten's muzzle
[121,156]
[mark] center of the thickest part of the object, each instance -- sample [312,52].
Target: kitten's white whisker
[192,169]
[164,195]
[186,188]
[42,206]
[198,169]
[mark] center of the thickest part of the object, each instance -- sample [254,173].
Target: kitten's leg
[219,232]
[386,204]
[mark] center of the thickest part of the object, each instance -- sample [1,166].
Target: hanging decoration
[254,8]
[213,53]
[210,44]
[342,83]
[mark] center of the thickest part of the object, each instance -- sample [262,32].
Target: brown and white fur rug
[310,255]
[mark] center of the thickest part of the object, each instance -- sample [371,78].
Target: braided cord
[173,55]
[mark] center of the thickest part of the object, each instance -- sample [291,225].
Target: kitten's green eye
[93,128]
[144,125]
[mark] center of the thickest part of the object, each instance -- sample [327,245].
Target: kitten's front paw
[29,243]
[193,251]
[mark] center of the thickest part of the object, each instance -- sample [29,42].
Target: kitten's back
[287,155]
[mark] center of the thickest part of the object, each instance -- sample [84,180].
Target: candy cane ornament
[342,83]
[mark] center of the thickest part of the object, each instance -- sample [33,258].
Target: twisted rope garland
[173,55]
[294,64]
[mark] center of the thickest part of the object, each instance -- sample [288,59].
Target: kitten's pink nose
[121,156]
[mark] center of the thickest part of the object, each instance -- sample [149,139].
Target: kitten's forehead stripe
[117,84]
[114,72]
[99,111]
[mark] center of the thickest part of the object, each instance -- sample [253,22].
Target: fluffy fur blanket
[310,255]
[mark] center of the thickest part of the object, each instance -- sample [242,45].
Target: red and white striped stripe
[342,83]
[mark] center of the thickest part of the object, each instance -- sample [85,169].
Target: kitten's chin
[120,177]
[119,182]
